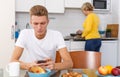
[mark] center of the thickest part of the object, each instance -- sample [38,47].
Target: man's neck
[40,36]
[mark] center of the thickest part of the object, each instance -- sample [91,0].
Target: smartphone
[41,61]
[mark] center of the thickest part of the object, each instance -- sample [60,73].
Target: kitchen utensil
[114,29]
[74,34]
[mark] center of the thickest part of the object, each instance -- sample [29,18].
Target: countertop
[67,38]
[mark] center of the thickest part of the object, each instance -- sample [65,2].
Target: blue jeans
[93,45]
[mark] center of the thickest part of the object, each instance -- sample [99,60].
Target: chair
[84,59]
[58,57]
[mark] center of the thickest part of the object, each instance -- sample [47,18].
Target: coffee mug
[13,68]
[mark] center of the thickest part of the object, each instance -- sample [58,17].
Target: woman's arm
[87,25]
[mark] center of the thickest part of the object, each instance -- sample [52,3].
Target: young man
[41,43]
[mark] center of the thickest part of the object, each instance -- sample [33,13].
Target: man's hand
[49,64]
[27,66]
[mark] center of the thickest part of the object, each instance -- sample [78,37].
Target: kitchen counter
[109,46]
[67,38]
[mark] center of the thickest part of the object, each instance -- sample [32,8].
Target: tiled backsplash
[68,22]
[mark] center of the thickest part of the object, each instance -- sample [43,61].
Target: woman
[90,28]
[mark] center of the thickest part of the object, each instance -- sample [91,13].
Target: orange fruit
[109,67]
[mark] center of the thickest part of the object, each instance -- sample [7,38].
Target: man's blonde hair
[38,10]
[87,7]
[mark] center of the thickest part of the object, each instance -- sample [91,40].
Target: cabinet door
[75,3]
[77,45]
[7,19]
[55,6]
[67,45]
[25,5]
[109,52]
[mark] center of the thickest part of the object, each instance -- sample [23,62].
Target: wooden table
[89,72]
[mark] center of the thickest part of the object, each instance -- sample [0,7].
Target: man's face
[39,24]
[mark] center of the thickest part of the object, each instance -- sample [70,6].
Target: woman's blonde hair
[38,10]
[87,7]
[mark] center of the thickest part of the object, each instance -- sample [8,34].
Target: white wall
[68,22]
[72,19]
[7,18]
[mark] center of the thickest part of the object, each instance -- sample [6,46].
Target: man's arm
[17,54]
[66,60]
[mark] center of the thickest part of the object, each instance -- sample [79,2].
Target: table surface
[88,72]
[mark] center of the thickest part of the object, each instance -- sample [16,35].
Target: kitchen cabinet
[109,50]
[53,6]
[75,3]
[7,19]
[25,5]
[75,45]
[67,45]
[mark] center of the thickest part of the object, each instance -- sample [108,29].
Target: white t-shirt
[40,49]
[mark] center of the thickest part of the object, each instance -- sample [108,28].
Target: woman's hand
[79,32]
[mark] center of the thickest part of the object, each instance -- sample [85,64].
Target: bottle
[27,26]
[17,30]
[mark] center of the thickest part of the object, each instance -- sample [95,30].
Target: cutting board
[114,29]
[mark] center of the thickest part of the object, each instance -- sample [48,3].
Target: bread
[72,74]
[37,69]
